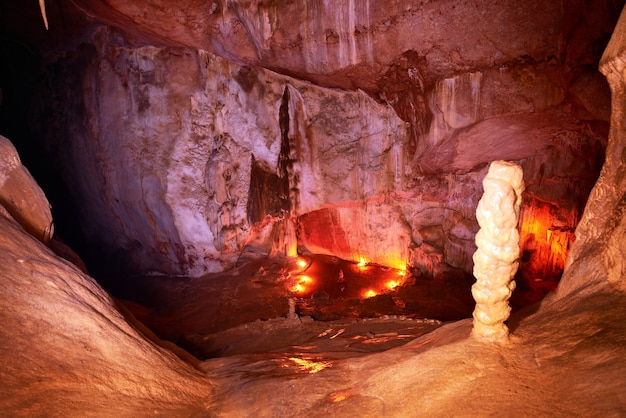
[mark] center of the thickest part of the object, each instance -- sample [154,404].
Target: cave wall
[159,145]
[598,255]
[68,349]
[378,153]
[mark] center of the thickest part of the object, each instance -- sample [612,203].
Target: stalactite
[42,6]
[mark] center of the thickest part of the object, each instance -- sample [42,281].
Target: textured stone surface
[21,196]
[351,44]
[66,348]
[174,179]
[178,144]
[168,189]
[603,221]
[497,258]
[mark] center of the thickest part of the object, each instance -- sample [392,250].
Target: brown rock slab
[66,348]
[21,196]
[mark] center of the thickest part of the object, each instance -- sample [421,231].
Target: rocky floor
[545,370]
[248,307]
[67,351]
[564,358]
[323,289]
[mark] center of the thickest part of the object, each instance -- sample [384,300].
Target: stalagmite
[497,257]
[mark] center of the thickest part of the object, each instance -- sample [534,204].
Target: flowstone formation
[497,257]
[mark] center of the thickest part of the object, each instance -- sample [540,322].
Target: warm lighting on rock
[339,396]
[304,279]
[547,232]
[297,288]
[302,263]
[369,293]
[310,366]
[392,284]
[300,285]
[396,261]
[362,263]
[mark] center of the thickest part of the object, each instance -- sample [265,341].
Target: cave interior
[265,177]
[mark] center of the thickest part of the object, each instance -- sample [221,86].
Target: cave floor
[563,361]
[407,351]
[341,309]
[381,306]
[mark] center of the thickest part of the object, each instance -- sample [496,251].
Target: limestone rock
[66,348]
[21,196]
[350,44]
[173,192]
[603,221]
[188,143]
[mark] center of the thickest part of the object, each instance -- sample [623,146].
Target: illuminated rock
[191,145]
[21,196]
[601,231]
[66,347]
[496,260]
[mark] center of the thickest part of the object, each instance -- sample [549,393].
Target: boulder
[21,196]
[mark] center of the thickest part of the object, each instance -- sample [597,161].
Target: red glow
[297,288]
[546,234]
[309,365]
[339,396]
[304,279]
[302,263]
[369,293]
[300,286]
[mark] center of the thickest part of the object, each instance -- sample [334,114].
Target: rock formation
[21,196]
[63,334]
[192,152]
[162,128]
[497,257]
[603,222]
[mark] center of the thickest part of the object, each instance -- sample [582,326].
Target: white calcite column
[496,260]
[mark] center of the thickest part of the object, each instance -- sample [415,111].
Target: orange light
[297,288]
[304,279]
[402,273]
[302,263]
[300,286]
[310,366]
[392,284]
[362,263]
[339,396]
[369,293]
[546,233]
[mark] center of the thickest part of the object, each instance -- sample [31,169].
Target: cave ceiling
[346,44]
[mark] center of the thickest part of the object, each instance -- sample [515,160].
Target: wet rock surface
[326,289]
